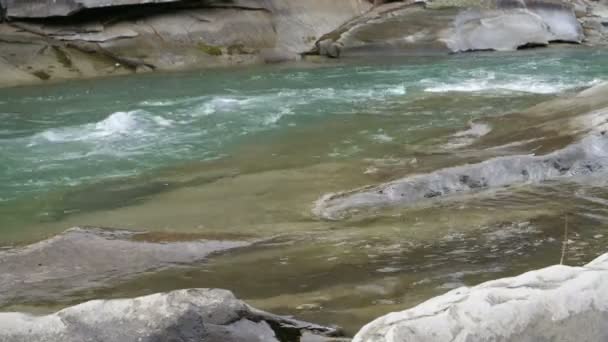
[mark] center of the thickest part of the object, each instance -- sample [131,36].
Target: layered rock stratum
[42,40]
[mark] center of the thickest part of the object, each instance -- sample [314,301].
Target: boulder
[211,315]
[515,24]
[595,23]
[558,303]
[498,30]
[561,19]
[391,29]
[443,26]
[88,258]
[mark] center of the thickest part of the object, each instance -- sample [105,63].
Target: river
[245,154]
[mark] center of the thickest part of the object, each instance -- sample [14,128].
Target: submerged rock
[211,315]
[87,258]
[585,157]
[558,303]
[581,119]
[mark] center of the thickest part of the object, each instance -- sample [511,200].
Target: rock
[560,17]
[14,76]
[442,26]
[180,316]
[595,23]
[497,30]
[581,119]
[329,48]
[395,28]
[515,24]
[88,258]
[558,303]
[273,55]
[43,9]
[586,157]
[300,23]
[179,35]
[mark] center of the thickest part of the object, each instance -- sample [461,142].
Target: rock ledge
[558,303]
[210,315]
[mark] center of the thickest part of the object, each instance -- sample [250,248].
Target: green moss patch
[62,57]
[210,49]
[41,74]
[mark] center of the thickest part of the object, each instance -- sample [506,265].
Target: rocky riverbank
[181,316]
[80,39]
[558,303]
[555,302]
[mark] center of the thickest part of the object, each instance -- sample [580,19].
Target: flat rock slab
[86,258]
[210,315]
[558,303]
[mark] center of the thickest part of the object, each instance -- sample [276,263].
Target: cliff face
[48,8]
[58,39]
[83,38]
[442,26]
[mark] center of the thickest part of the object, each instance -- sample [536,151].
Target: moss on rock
[210,49]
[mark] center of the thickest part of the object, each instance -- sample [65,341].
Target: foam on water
[116,125]
[483,81]
[277,100]
[272,119]
[223,104]
[467,137]
[382,137]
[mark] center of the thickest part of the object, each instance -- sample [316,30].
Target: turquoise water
[56,141]
[76,133]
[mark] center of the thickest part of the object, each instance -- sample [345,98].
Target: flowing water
[246,153]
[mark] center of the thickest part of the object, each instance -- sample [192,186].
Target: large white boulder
[558,303]
[210,315]
[498,30]
[514,24]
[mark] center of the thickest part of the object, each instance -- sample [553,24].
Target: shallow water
[246,153]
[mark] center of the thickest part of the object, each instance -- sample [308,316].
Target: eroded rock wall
[442,26]
[121,36]
[50,8]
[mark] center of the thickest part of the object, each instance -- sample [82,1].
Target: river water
[245,153]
